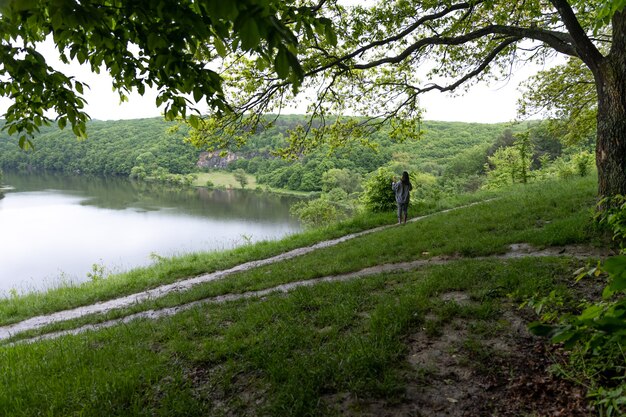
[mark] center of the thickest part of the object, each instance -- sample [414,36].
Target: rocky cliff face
[214,160]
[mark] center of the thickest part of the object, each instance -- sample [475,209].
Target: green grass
[223,179]
[289,354]
[279,355]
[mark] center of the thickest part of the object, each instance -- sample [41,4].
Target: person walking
[402,189]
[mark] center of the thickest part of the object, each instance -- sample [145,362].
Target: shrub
[377,193]
[316,213]
[583,163]
[241,177]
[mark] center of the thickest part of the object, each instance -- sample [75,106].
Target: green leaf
[330,34]
[25,143]
[219,46]
[611,324]
[298,72]
[197,94]
[261,64]
[249,33]
[541,329]
[281,63]
[194,121]
[591,313]
[223,9]
[616,268]
[565,335]
[607,293]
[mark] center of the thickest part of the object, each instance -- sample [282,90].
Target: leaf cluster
[141,44]
[566,94]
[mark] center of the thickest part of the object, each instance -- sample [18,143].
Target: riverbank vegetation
[320,349]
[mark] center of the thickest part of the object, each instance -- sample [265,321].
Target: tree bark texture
[611,131]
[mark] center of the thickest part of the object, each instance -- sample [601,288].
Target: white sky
[482,103]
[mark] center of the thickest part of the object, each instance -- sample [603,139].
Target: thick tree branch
[419,22]
[587,51]
[556,40]
[483,65]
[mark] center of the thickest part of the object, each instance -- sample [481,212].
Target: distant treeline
[119,148]
[112,148]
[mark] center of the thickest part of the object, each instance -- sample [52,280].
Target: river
[53,228]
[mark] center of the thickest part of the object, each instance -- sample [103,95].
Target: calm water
[54,228]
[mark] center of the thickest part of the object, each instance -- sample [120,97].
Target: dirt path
[182,285]
[516,251]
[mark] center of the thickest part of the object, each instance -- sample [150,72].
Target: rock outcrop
[215,160]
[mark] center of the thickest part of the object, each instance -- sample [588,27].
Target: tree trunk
[611,132]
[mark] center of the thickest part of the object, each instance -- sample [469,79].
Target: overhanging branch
[419,22]
[480,68]
[556,40]
[586,50]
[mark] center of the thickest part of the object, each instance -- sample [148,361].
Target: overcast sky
[483,103]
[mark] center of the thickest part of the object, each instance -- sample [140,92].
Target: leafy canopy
[387,54]
[140,43]
[247,58]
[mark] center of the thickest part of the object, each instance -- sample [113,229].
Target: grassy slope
[222,179]
[226,179]
[285,355]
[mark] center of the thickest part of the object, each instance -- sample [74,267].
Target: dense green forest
[113,148]
[450,157]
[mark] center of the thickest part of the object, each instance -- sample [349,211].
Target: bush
[316,213]
[241,177]
[583,163]
[377,194]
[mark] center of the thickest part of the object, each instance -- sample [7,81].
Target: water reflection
[55,226]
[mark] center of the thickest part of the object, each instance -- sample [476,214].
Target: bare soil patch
[459,375]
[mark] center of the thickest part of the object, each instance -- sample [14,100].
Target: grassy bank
[168,270]
[305,353]
[225,179]
[278,356]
